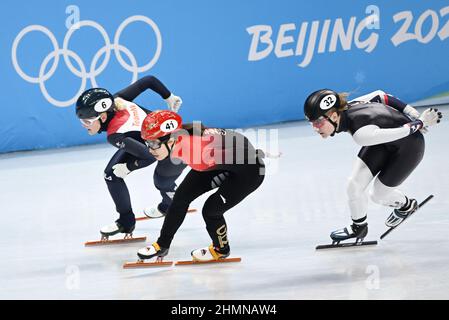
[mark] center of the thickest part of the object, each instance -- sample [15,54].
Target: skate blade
[419,206]
[346,245]
[148,218]
[114,241]
[142,264]
[191,262]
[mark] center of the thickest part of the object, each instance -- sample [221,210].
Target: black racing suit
[394,153]
[238,170]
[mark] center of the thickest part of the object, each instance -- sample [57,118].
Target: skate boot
[152,251]
[209,253]
[115,228]
[399,215]
[154,213]
[358,231]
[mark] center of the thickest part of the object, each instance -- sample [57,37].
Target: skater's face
[93,125]
[323,127]
[158,149]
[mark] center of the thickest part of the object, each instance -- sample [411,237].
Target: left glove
[174,102]
[121,170]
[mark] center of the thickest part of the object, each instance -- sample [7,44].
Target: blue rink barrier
[234,63]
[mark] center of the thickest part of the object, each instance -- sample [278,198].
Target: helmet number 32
[328,102]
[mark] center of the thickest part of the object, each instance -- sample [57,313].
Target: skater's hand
[411,112]
[121,170]
[430,117]
[174,102]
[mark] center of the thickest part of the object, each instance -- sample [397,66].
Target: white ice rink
[54,201]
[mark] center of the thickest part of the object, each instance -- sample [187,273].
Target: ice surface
[54,201]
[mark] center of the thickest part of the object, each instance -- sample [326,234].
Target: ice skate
[357,231]
[113,229]
[153,251]
[398,216]
[208,255]
[155,213]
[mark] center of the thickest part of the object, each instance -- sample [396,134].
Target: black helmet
[320,102]
[93,102]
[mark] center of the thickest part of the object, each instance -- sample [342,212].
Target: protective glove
[430,117]
[174,102]
[413,114]
[121,170]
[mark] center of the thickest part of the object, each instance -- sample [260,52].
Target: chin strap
[104,125]
[168,148]
[333,123]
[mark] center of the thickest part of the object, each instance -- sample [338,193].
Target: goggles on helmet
[318,123]
[89,121]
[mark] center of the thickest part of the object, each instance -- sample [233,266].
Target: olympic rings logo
[94,70]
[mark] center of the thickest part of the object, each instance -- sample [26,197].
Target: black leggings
[234,182]
[394,161]
[165,175]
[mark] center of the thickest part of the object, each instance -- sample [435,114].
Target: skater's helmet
[91,103]
[159,124]
[319,103]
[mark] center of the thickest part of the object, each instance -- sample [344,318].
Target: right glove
[174,102]
[430,117]
[413,114]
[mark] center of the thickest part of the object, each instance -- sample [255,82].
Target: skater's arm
[130,145]
[399,105]
[375,96]
[149,82]
[389,100]
[371,135]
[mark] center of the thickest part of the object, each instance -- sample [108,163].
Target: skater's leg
[234,187]
[369,162]
[359,180]
[164,178]
[400,165]
[119,191]
[194,185]
[403,161]
[387,196]
[393,197]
